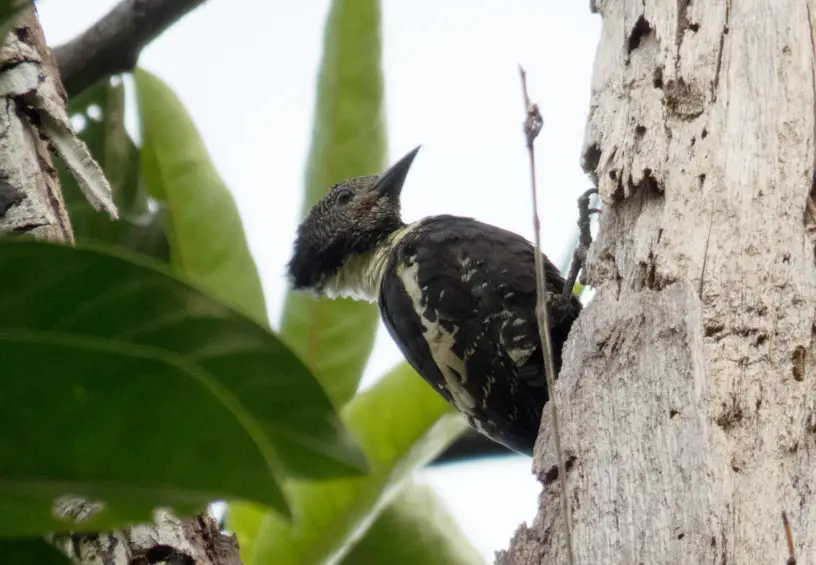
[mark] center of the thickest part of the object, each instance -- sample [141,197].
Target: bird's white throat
[361,274]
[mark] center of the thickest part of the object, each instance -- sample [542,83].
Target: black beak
[391,181]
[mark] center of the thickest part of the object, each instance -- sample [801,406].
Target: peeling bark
[31,195]
[687,391]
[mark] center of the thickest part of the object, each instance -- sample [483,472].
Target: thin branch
[113,44]
[532,127]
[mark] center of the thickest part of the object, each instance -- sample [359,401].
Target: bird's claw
[584,241]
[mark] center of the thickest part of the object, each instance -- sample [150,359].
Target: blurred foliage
[31,551]
[274,422]
[415,528]
[335,337]
[402,424]
[206,235]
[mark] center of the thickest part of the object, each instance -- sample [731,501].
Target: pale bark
[170,540]
[31,197]
[687,392]
[31,202]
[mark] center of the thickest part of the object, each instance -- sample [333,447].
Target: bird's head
[351,219]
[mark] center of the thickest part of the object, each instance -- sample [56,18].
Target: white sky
[247,69]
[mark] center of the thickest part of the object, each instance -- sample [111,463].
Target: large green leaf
[402,424]
[101,110]
[123,385]
[34,551]
[335,337]
[415,528]
[203,226]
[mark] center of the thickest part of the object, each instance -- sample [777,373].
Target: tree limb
[113,44]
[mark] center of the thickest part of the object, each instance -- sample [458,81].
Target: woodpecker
[458,297]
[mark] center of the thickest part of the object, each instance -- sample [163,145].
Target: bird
[457,296]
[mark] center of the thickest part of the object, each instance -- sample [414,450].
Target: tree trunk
[31,203]
[30,195]
[686,397]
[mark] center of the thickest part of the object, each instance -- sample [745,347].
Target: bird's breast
[360,275]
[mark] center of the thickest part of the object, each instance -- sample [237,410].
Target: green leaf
[9,11]
[335,337]
[102,110]
[402,424]
[34,551]
[415,528]
[204,229]
[125,386]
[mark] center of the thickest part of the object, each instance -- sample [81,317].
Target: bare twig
[532,127]
[789,536]
[113,44]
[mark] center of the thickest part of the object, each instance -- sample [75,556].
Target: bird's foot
[584,241]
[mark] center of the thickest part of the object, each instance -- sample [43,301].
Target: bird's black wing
[458,297]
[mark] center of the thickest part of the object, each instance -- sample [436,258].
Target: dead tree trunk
[31,203]
[687,394]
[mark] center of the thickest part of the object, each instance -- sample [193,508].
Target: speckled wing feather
[458,297]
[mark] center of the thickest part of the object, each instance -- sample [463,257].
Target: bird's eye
[344,197]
